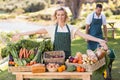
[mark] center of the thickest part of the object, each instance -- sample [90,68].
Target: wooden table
[111,23]
[54,75]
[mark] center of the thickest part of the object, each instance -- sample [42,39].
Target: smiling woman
[60,13]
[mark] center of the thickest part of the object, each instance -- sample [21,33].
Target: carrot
[24,52]
[31,51]
[27,54]
[21,53]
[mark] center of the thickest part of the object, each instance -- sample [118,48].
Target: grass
[80,45]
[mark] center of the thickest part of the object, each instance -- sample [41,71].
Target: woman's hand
[106,39]
[16,37]
[103,44]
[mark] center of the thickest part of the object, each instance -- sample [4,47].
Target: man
[94,23]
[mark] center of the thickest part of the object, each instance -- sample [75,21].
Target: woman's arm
[40,31]
[89,37]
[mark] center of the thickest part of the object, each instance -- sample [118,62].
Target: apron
[62,41]
[96,31]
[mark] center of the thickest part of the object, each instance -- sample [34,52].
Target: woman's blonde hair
[55,13]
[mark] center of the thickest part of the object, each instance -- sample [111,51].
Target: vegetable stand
[26,61]
[53,75]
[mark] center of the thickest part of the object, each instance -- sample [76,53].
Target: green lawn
[80,45]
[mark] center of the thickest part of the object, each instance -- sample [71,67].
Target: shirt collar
[62,27]
[95,15]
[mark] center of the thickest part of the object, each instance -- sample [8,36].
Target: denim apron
[62,41]
[96,31]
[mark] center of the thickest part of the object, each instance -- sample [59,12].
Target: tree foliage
[24,5]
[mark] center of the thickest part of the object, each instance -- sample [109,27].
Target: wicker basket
[19,69]
[89,67]
[54,57]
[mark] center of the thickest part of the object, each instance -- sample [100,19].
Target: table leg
[113,31]
[19,77]
[87,77]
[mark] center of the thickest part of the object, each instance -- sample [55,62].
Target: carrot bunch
[24,53]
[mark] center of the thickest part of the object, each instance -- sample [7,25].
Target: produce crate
[89,67]
[19,69]
[54,57]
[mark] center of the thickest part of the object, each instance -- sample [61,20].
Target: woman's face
[60,15]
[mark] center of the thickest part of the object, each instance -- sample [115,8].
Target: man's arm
[88,22]
[104,26]
[87,28]
[105,31]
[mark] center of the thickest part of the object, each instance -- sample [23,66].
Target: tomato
[28,64]
[75,60]
[82,69]
[78,69]
[80,62]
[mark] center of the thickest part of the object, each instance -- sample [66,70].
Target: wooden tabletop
[54,75]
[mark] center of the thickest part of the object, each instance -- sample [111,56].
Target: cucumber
[36,56]
[18,61]
[14,53]
[23,61]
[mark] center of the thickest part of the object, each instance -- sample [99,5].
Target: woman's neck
[61,24]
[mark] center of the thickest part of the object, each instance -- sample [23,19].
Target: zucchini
[14,53]
[18,61]
[38,56]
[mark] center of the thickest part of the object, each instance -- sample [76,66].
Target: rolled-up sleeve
[51,31]
[104,20]
[73,31]
[89,19]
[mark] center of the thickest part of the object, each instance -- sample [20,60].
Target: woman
[61,33]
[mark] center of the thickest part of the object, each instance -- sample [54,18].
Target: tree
[75,7]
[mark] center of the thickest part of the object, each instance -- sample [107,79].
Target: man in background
[94,23]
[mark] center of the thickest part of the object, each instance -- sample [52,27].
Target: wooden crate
[19,69]
[89,67]
[54,57]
